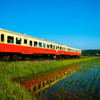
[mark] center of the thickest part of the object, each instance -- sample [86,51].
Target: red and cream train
[15,45]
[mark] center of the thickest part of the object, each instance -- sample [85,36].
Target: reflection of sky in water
[75,84]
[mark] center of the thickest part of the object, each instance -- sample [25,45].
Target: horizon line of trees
[90,52]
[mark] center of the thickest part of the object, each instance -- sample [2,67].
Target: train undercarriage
[18,57]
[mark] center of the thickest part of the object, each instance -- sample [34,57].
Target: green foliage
[10,90]
[90,52]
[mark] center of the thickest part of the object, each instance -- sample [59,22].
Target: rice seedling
[84,83]
[99,93]
[91,82]
[84,78]
[87,74]
[93,89]
[20,69]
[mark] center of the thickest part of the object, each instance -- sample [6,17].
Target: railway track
[46,60]
[42,60]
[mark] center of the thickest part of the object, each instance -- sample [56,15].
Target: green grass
[87,79]
[10,90]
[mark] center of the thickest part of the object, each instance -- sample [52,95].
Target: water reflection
[42,83]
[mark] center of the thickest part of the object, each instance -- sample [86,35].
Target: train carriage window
[56,47]
[18,40]
[50,80]
[63,48]
[10,39]
[43,84]
[39,86]
[73,50]
[53,46]
[30,43]
[60,48]
[44,45]
[48,46]
[56,77]
[2,37]
[47,82]
[35,43]
[67,49]
[60,76]
[40,44]
[70,49]
[25,41]
[34,88]
[53,79]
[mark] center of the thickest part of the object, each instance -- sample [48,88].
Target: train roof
[23,34]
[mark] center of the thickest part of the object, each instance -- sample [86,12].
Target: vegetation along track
[16,69]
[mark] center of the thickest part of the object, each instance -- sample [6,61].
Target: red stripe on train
[11,48]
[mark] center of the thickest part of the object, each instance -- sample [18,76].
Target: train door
[25,47]
[2,40]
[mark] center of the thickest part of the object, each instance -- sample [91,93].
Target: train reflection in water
[40,84]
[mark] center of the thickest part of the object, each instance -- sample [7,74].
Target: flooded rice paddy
[74,83]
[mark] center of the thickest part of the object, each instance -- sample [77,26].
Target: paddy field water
[84,83]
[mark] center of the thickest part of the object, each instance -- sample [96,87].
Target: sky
[75,23]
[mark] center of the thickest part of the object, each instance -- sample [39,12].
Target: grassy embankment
[10,90]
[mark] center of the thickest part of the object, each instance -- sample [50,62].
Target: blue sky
[71,22]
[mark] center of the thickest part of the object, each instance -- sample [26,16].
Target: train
[17,46]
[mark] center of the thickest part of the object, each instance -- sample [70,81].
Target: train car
[17,46]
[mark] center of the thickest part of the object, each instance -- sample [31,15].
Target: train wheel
[5,58]
[54,57]
[60,57]
[65,57]
[77,56]
[68,57]
[19,57]
[57,57]
[14,57]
